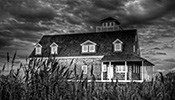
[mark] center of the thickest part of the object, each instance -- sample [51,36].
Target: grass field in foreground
[41,82]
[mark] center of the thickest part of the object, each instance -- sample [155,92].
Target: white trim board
[92,43]
[70,57]
[110,80]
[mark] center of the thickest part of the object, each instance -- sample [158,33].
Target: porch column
[110,71]
[126,70]
[102,71]
[142,71]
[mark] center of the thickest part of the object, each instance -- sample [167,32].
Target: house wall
[79,62]
[147,73]
[71,62]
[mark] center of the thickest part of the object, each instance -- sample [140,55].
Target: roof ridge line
[92,32]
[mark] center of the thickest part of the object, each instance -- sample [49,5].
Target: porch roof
[125,57]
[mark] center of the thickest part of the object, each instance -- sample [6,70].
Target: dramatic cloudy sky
[24,22]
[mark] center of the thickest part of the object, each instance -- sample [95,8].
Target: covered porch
[124,69]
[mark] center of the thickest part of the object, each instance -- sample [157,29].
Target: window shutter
[84,68]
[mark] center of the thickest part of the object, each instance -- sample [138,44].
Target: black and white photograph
[87,49]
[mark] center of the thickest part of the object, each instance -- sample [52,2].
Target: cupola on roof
[110,19]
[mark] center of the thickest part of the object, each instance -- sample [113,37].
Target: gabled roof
[53,45]
[126,57]
[38,45]
[110,19]
[69,44]
[88,42]
[117,41]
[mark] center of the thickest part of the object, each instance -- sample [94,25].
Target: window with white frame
[117,45]
[104,69]
[54,48]
[88,47]
[38,49]
[91,48]
[84,69]
[85,48]
[120,69]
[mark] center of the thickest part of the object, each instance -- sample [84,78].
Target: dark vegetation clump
[47,80]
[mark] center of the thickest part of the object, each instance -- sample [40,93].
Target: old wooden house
[113,52]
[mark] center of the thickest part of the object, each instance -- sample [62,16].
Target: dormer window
[54,48]
[88,47]
[117,45]
[38,49]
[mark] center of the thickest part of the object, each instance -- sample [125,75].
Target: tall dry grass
[47,80]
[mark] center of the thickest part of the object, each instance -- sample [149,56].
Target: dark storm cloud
[79,12]
[23,26]
[7,37]
[27,36]
[169,4]
[153,53]
[143,11]
[12,29]
[91,11]
[127,11]
[19,21]
[29,14]
[72,13]
[108,4]
[30,10]
[172,60]
[4,42]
